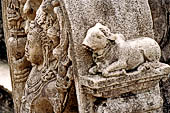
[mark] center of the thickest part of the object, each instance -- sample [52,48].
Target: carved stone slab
[132,18]
[38,43]
[45,42]
[143,102]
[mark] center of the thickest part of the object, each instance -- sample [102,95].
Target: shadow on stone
[6,103]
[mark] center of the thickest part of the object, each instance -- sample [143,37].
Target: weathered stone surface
[6,103]
[165,95]
[38,45]
[130,18]
[144,102]
[41,70]
[116,69]
[136,69]
[15,38]
[113,14]
[130,82]
[130,53]
[160,14]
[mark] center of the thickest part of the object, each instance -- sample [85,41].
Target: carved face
[33,49]
[95,38]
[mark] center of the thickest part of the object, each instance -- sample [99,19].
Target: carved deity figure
[131,54]
[48,84]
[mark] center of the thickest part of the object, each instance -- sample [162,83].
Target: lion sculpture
[130,54]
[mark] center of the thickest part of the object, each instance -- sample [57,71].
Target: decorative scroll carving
[49,81]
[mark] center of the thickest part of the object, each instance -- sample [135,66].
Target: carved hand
[105,72]
[93,70]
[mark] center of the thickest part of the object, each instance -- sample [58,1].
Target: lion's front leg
[117,67]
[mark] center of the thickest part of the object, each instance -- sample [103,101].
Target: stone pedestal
[130,93]
[148,101]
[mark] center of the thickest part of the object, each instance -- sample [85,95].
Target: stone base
[130,93]
[145,101]
[134,82]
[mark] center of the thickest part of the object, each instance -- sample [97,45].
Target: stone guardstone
[128,93]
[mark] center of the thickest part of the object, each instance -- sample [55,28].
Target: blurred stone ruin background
[161,20]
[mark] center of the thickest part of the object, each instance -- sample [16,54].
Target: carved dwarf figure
[16,40]
[130,54]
